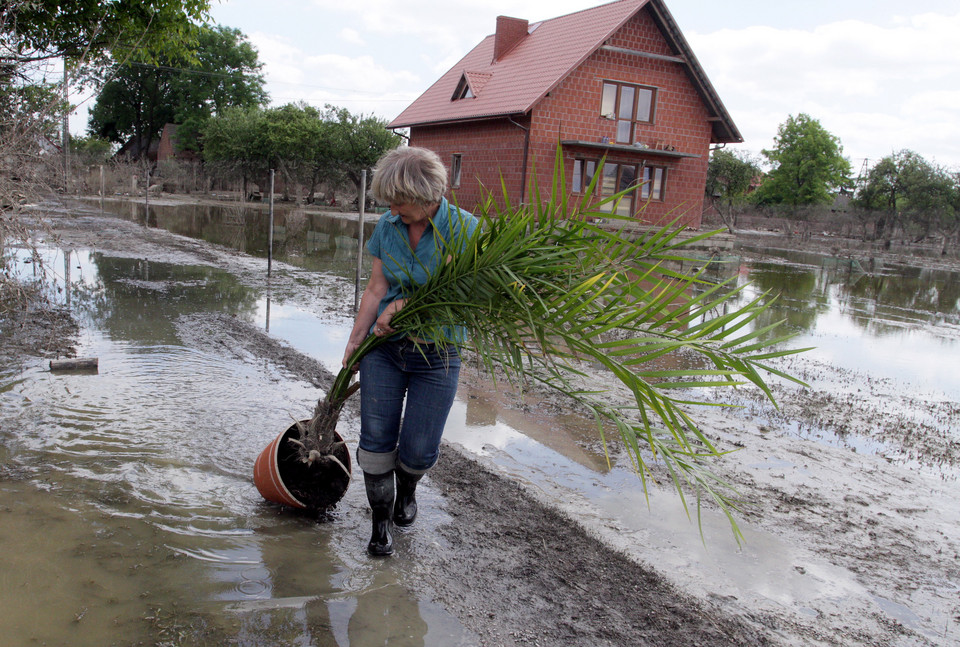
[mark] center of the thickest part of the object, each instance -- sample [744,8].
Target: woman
[409,242]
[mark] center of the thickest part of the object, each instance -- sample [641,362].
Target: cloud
[281,61]
[362,83]
[351,36]
[878,87]
[449,28]
[879,81]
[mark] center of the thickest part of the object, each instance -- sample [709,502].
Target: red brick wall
[165,149]
[490,150]
[572,112]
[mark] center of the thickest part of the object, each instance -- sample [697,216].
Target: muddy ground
[517,569]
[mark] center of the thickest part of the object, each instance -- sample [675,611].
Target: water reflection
[884,302]
[880,296]
[885,320]
[569,434]
[125,300]
[382,617]
[126,496]
[307,239]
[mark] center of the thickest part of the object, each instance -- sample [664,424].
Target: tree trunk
[317,438]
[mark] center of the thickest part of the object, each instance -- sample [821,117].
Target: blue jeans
[426,377]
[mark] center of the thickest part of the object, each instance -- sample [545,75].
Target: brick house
[617,81]
[168,148]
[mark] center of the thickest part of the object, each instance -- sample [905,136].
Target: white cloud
[281,60]
[351,36]
[877,87]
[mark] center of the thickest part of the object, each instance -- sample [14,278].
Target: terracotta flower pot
[281,477]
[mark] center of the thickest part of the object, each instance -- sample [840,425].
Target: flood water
[126,498]
[127,510]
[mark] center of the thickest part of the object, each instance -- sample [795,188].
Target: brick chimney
[510,31]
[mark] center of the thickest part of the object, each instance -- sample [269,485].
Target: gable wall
[572,111]
[489,149]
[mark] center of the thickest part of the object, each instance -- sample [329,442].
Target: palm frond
[541,289]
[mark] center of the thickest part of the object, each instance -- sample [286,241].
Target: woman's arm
[367,313]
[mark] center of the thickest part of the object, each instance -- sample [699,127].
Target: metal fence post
[362,202]
[270,231]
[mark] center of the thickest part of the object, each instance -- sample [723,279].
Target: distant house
[136,148]
[168,148]
[156,150]
[618,81]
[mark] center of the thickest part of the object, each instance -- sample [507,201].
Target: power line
[187,70]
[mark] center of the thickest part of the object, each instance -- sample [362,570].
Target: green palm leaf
[543,288]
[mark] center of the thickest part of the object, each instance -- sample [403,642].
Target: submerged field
[127,493]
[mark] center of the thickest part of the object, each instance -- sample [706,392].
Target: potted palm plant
[544,288]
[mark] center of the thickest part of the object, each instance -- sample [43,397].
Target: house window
[654,183]
[455,166]
[616,178]
[583,172]
[628,105]
[463,90]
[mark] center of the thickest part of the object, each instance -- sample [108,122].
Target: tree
[808,165]
[82,32]
[89,29]
[222,71]
[134,105]
[229,144]
[292,139]
[362,141]
[289,136]
[227,73]
[307,146]
[730,175]
[908,192]
[33,107]
[90,150]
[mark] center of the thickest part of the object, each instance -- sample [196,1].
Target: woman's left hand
[383,328]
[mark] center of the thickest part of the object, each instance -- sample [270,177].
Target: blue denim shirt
[405,268]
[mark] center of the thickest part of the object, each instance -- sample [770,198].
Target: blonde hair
[409,174]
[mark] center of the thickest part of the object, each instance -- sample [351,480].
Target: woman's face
[411,213]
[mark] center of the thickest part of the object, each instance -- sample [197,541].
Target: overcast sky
[881,75]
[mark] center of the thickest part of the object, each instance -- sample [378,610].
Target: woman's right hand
[351,346]
[367,313]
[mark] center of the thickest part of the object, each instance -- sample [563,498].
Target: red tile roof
[526,73]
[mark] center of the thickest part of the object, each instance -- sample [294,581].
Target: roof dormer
[470,85]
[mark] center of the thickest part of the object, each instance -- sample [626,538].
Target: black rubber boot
[405,509]
[380,493]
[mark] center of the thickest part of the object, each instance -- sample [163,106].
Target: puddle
[91,575]
[126,502]
[309,240]
[763,569]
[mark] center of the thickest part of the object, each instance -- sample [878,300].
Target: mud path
[514,571]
